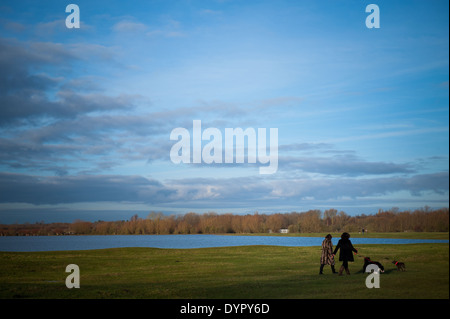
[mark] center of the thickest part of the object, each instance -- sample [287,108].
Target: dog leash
[359,255]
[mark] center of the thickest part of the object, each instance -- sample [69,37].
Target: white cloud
[129,26]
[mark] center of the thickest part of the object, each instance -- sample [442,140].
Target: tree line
[312,221]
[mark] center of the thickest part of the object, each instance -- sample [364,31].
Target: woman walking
[345,255]
[327,257]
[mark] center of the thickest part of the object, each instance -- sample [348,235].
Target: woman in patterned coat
[327,257]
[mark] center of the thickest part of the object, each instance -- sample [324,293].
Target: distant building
[284,230]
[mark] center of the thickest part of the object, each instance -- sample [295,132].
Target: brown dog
[400,266]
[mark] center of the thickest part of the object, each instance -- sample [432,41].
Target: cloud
[25,84]
[304,147]
[411,132]
[337,163]
[73,128]
[14,26]
[342,165]
[217,192]
[47,124]
[17,58]
[129,26]
[256,191]
[19,188]
[85,143]
[328,188]
[170,28]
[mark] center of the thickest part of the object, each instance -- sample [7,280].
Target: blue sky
[86,114]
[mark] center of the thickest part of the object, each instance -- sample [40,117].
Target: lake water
[54,243]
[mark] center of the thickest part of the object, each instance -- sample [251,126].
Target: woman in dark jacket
[345,255]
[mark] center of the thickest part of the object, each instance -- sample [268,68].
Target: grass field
[404,235]
[262,272]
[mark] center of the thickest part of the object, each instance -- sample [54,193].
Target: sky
[86,114]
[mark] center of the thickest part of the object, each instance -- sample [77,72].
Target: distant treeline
[313,221]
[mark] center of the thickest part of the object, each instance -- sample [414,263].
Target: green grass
[230,272]
[403,235]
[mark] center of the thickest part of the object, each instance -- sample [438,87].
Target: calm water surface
[53,243]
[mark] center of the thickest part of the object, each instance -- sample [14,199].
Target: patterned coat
[327,253]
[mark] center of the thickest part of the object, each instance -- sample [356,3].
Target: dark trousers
[345,264]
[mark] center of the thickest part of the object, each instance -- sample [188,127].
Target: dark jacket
[346,247]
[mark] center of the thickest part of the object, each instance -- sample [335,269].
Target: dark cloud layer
[44,124]
[27,77]
[20,188]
